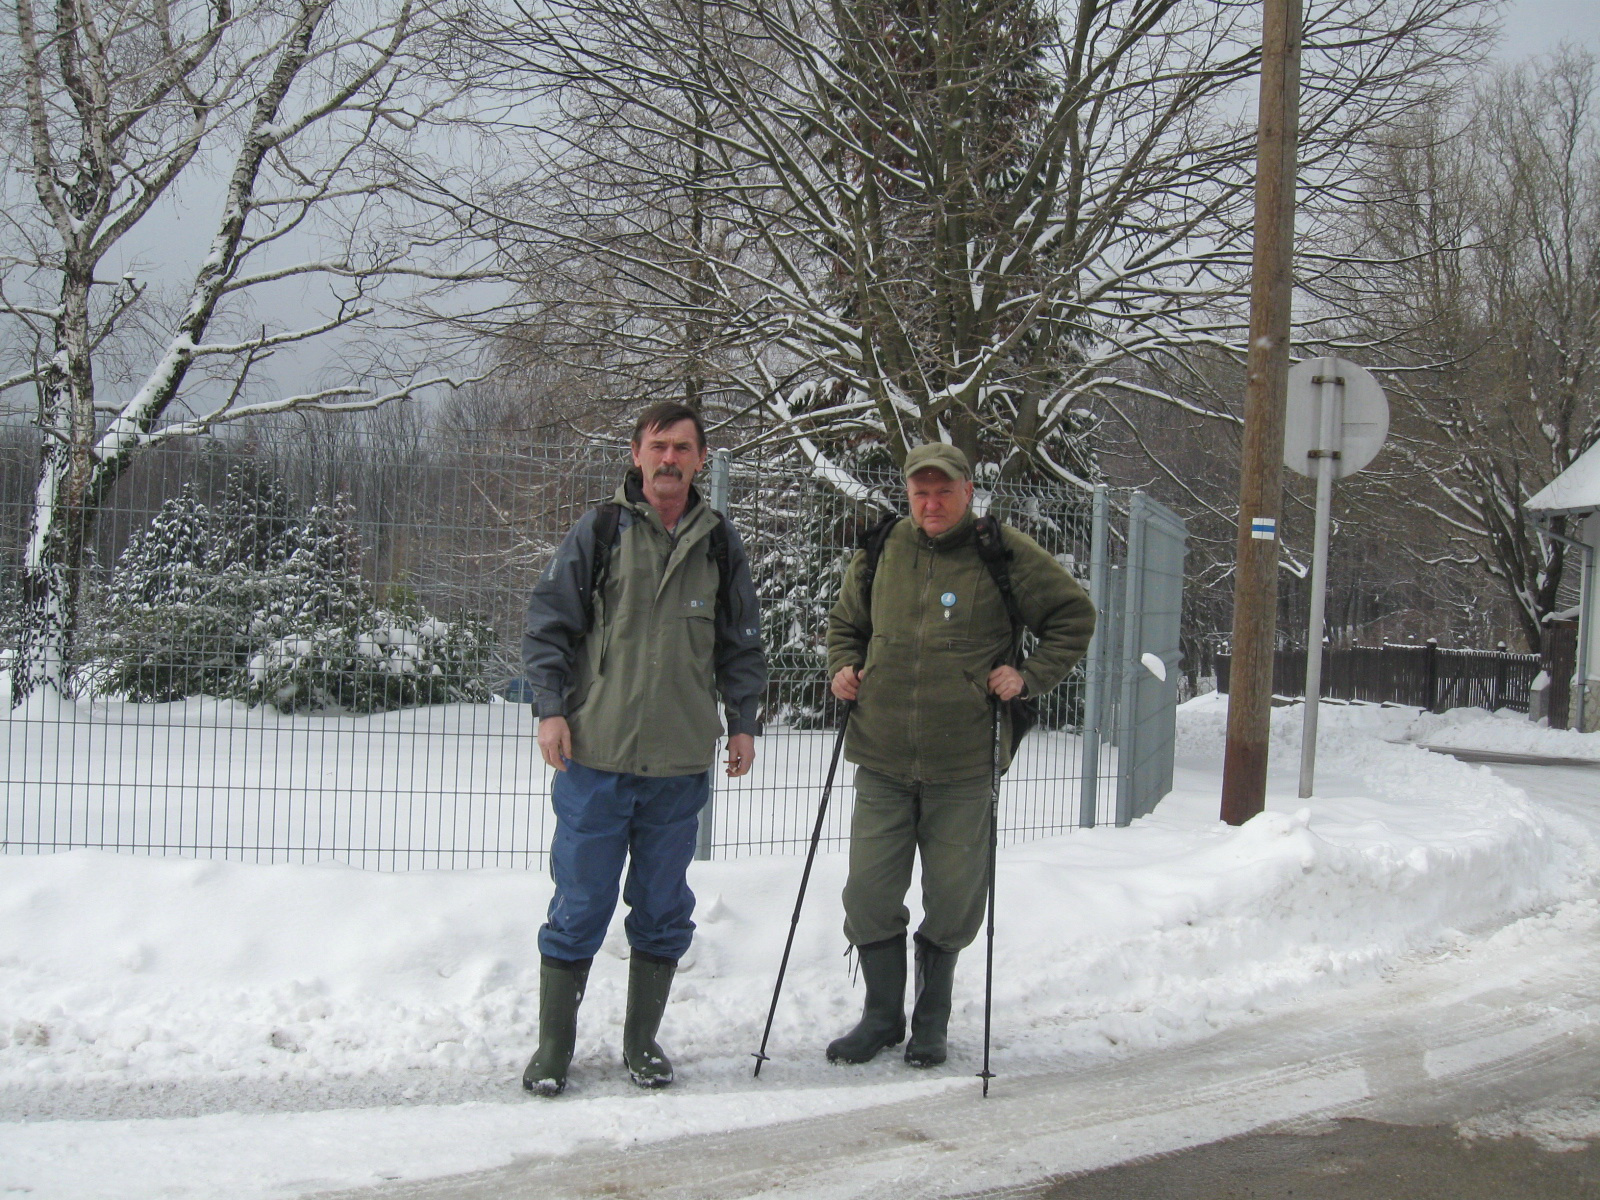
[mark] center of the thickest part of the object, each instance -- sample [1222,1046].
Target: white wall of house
[1589,652]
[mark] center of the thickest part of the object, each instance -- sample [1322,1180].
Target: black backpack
[1024,710]
[608,517]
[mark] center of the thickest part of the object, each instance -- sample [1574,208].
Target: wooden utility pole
[1255,587]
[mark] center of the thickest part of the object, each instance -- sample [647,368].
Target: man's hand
[741,754]
[846,685]
[1006,682]
[555,741]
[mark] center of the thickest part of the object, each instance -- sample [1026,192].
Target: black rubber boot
[649,983]
[561,985]
[883,1016]
[930,1015]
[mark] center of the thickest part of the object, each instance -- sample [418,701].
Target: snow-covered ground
[1504,732]
[250,1030]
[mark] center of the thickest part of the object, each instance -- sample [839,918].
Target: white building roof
[1575,490]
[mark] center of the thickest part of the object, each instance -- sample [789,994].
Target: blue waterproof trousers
[603,817]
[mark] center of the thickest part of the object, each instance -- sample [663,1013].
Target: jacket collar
[631,493]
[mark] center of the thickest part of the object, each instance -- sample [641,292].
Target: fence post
[705,835]
[1499,677]
[1094,683]
[1431,669]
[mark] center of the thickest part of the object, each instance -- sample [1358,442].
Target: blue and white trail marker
[1264,529]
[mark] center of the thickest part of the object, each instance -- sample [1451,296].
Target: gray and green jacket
[639,688]
[923,710]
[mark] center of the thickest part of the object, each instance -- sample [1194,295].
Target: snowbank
[246,987]
[1505,731]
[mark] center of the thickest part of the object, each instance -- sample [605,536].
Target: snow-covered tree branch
[1479,281]
[957,219]
[210,153]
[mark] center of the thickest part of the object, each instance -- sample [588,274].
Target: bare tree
[961,218]
[119,117]
[1482,294]
[614,221]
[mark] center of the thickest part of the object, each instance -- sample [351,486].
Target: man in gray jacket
[646,612]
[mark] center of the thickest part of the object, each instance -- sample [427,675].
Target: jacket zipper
[922,634]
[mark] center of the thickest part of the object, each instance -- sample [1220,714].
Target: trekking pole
[994,841]
[805,877]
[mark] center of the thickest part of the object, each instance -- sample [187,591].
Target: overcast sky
[1535,26]
[1531,27]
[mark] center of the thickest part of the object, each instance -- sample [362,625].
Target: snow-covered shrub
[200,587]
[248,597]
[166,652]
[385,660]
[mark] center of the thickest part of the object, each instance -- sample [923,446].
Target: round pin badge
[948,599]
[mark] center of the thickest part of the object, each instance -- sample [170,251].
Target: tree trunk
[52,573]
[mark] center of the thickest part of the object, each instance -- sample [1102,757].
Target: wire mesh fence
[305,645]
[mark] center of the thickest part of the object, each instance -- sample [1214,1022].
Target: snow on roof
[1577,489]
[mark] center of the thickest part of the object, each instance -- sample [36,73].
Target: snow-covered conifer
[247,598]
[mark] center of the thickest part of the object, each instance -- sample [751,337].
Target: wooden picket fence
[1424,674]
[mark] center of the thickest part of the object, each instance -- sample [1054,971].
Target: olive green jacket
[938,626]
[638,685]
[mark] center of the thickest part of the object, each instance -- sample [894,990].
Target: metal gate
[1131,694]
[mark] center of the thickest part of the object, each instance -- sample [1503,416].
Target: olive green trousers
[947,824]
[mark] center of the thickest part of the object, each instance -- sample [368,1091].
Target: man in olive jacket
[921,667]
[625,685]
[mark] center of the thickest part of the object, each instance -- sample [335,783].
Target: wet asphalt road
[1354,1160]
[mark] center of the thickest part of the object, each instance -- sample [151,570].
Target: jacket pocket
[700,638]
[581,692]
[870,670]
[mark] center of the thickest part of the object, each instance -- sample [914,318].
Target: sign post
[1336,420]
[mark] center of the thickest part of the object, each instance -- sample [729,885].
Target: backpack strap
[992,549]
[720,555]
[607,523]
[872,541]
[607,519]
[1023,710]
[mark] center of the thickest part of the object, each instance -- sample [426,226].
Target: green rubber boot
[561,985]
[649,983]
[883,1015]
[930,1014]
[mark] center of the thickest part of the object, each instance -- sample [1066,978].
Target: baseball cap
[939,456]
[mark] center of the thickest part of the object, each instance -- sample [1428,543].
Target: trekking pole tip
[760,1058]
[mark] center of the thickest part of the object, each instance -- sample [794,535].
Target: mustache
[668,470]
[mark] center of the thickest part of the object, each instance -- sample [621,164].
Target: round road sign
[1351,430]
